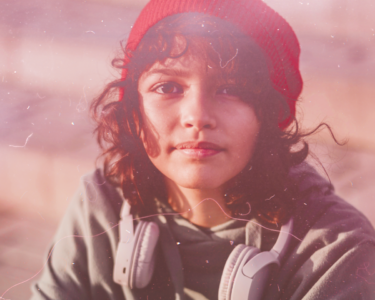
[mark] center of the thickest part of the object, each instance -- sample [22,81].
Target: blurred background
[55,57]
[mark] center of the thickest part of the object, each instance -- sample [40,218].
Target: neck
[200,206]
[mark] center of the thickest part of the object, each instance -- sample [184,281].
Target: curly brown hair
[119,123]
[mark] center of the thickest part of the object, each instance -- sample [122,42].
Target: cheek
[158,116]
[158,126]
[244,131]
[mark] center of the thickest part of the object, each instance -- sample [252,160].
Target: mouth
[198,149]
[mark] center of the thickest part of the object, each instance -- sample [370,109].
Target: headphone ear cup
[239,253]
[143,261]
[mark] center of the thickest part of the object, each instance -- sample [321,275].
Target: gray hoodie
[334,260]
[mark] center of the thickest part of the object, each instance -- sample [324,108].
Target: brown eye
[168,88]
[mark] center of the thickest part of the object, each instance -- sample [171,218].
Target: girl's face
[198,132]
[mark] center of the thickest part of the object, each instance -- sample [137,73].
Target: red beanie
[260,22]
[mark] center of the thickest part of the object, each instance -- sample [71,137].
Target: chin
[200,181]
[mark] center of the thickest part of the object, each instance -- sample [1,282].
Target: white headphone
[245,274]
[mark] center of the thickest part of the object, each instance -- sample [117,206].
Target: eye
[229,91]
[168,88]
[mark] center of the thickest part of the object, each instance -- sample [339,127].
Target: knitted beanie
[254,18]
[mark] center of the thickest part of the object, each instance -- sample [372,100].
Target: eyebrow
[169,72]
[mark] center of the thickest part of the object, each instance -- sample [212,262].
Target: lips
[198,149]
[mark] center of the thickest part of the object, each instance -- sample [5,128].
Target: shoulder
[94,208]
[319,209]
[334,241]
[93,216]
[80,261]
[97,192]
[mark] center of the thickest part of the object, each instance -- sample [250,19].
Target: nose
[198,111]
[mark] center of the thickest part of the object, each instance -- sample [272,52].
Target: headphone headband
[284,238]
[125,209]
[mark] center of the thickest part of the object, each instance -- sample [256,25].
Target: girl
[202,149]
